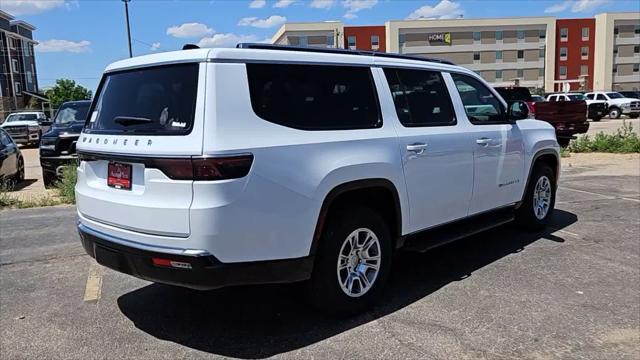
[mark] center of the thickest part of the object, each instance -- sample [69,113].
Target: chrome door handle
[418,148]
[483,141]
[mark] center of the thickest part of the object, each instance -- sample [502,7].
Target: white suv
[265,164]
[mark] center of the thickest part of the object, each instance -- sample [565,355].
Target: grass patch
[564,152]
[63,193]
[625,140]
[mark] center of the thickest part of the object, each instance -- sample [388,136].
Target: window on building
[498,35]
[636,49]
[616,30]
[520,34]
[476,36]
[564,34]
[520,73]
[541,53]
[481,106]
[14,65]
[542,34]
[29,79]
[636,29]
[585,33]
[615,50]
[584,52]
[303,41]
[584,70]
[351,41]
[12,43]
[636,68]
[520,54]
[314,97]
[541,72]
[563,71]
[402,39]
[421,97]
[498,74]
[330,41]
[18,88]
[476,55]
[375,42]
[615,69]
[499,55]
[563,53]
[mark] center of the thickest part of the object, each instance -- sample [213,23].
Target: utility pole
[126,15]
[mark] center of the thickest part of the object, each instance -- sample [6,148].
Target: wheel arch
[378,193]
[547,156]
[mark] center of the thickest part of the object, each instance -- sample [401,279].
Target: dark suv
[58,146]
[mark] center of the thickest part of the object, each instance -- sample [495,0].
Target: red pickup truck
[568,117]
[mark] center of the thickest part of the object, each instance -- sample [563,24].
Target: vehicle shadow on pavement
[22,184]
[266,320]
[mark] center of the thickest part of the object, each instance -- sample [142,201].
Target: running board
[431,238]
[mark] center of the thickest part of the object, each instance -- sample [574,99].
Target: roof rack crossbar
[339,51]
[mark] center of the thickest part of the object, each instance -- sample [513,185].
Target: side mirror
[518,110]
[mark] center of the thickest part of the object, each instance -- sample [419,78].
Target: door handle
[483,141]
[418,148]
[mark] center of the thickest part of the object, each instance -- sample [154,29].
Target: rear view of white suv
[265,164]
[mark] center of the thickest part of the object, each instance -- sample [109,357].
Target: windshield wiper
[131,120]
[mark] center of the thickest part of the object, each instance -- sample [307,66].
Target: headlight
[626,105]
[34,127]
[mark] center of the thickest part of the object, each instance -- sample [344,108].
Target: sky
[78,39]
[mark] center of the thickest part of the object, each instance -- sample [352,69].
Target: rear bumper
[206,271]
[569,132]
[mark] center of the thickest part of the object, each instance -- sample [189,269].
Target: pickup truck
[597,109]
[567,117]
[617,103]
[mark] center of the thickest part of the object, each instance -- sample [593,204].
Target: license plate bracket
[119,175]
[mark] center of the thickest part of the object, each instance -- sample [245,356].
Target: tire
[527,216]
[634,116]
[48,179]
[614,113]
[596,119]
[325,288]
[564,142]
[19,177]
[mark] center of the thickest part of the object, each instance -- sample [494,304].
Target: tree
[66,90]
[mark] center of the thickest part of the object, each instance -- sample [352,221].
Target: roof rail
[339,51]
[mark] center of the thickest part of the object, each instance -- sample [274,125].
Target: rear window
[72,112]
[314,97]
[150,101]
[514,93]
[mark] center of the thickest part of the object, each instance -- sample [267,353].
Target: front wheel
[352,263]
[19,177]
[614,113]
[540,198]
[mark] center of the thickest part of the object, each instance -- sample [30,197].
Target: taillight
[205,168]
[532,109]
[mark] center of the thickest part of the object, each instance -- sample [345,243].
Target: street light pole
[126,15]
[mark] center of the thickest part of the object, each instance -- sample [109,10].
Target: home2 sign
[444,38]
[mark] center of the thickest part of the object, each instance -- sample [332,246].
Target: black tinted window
[421,97]
[481,106]
[314,97]
[159,100]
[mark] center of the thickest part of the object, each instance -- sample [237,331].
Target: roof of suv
[275,54]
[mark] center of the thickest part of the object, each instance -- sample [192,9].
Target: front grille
[17,130]
[635,105]
[67,146]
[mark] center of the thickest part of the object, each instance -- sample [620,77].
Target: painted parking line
[93,289]
[609,197]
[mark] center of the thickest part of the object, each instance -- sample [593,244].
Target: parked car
[58,146]
[26,127]
[597,109]
[617,103]
[11,161]
[568,117]
[630,94]
[214,167]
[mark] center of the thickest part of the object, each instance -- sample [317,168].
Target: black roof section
[339,51]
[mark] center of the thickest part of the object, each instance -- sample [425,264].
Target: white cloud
[55,45]
[322,4]
[353,6]
[189,30]
[559,7]
[271,21]
[29,7]
[226,40]
[283,3]
[155,46]
[257,4]
[445,9]
[586,5]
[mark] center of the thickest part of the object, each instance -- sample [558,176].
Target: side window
[421,97]
[552,98]
[481,106]
[5,140]
[561,98]
[314,97]
[589,96]
[600,97]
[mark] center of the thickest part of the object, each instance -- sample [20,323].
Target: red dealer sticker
[119,176]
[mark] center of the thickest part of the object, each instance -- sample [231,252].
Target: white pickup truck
[617,103]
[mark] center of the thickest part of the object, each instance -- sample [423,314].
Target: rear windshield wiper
[131,120]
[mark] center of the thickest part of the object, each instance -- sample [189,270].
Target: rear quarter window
[148,101]
[314,97]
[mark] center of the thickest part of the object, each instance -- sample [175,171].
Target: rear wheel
[596,118]
[564,142]
[539,201]
[352,263]
[614,113]
[634,116]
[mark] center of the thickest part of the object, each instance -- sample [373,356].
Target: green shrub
[625,140]
[66,185]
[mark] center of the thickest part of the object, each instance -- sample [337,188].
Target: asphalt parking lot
[570,292]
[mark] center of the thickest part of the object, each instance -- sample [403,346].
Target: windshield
[614,95]
[22,117]
[577,97]
[158,101]
[72,112]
